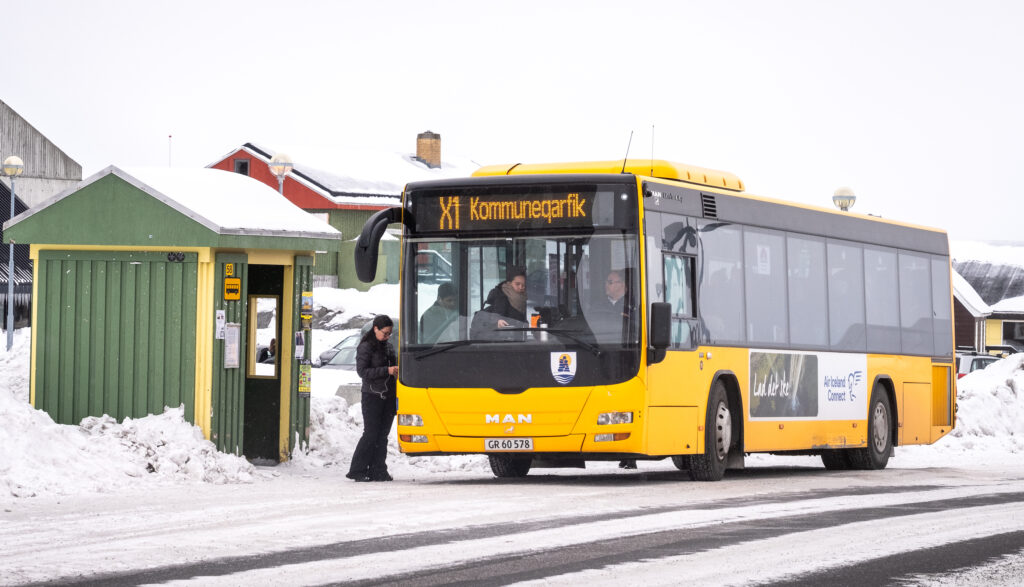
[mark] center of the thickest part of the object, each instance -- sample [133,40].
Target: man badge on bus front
[563,367]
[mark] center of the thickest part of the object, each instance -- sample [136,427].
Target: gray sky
[917,106]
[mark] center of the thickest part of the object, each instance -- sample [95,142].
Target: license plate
[507,444]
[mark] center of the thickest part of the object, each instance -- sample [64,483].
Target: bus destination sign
[468,212]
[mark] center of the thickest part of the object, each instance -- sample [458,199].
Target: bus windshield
[525,294]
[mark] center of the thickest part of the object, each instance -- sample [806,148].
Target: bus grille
[708,206]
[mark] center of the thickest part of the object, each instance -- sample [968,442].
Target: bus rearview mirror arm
[660,335]
[367,245]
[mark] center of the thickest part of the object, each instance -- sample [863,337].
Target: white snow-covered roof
[364,176]
[231,201]
[969,297]
[1009,306]
[224,202]
[997,254]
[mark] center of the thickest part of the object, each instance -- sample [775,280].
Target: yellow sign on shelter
[232,288]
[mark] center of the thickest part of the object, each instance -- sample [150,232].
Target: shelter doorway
[262,411]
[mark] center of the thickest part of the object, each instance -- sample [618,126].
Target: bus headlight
[615,418]
[410,420]
[412,437]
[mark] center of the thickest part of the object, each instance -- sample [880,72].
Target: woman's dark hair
[514,271]
[380,323]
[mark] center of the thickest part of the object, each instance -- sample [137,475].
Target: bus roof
[647,167]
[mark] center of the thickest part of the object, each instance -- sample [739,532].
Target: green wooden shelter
[164,287]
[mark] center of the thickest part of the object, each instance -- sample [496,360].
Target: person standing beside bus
[377,366]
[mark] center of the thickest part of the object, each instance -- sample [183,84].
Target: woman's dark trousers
[372,450]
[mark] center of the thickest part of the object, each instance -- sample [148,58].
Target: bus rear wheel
[880,441]
[509,466]
[711,464]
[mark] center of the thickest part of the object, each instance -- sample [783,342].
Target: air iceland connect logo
[563,367]
[844,389]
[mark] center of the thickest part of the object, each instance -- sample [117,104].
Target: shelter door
[262,414]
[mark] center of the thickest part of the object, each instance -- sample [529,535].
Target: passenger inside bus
[439,322]
[505,307]
[609,313]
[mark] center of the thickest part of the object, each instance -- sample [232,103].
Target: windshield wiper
[560,332]
[442,347]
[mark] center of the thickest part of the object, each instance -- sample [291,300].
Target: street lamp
[13,166]
[281,165]
[844,199]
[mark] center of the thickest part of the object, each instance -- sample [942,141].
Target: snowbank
[40,457]
[990,409]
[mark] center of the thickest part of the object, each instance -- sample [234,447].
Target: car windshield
[346,355]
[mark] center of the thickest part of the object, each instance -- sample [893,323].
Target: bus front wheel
[711,464]
[880,441]
[506,465]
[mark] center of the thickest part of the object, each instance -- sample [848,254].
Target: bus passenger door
[674,382]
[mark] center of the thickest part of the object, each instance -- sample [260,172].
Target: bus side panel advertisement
[807,386]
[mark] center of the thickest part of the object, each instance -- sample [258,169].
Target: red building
[345,188]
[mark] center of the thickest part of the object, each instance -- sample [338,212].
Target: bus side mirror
[367,245]
[661,327]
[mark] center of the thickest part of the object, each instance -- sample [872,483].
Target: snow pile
[335,428]
[41,457]
[170,448]
[352,303]
[990,409]
[14,372]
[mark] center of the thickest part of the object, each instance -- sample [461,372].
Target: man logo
[508,419]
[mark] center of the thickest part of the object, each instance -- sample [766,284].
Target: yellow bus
[666,313]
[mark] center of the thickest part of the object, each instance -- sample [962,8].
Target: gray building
[48,171]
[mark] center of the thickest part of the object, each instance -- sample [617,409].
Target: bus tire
[508,466]
[682,462]
[718,438]
[876,454]
[836,459]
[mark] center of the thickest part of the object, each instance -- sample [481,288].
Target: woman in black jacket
[508,298]
[377,366]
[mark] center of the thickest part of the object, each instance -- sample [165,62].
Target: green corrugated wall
[298,417]
[228,388]
[116,332]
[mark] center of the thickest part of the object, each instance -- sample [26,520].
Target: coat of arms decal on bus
[563,367]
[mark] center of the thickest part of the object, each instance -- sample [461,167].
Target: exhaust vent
[708,206]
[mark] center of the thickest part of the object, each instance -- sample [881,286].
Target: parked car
[969,361]
[346,347]
[1002,350]
[343,354]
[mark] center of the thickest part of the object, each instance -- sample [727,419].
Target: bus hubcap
[881,428]
[723,430]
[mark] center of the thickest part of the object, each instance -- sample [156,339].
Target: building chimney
[428,149]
